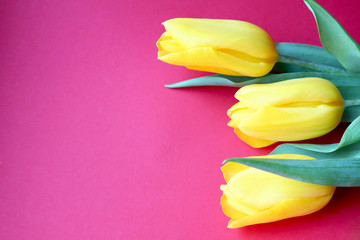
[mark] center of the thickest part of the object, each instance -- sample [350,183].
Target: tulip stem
[351,103]
[311,65]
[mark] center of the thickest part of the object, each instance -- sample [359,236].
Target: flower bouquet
[288,92]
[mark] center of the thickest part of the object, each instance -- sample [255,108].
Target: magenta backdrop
[93,146]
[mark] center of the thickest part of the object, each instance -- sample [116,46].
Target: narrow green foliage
[332,172]
[336,165]
[350,136]
[348,84]
[335,39]
[341,79]
[305,52]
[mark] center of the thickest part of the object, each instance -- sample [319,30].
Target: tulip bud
[291,110]
[253,196]
[221,46]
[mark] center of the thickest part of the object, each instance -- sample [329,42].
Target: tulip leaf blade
[332,172]
[306,52]
[212,80]
[350,136]
[338,164]
[350,114]
[344,152]
[239,81]
[335,39]
[348,84]
[295,57]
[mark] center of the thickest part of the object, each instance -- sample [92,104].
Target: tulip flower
[253,196]
[290,110]
[221,46]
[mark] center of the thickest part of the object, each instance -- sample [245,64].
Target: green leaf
[344,152]
[350,114]
[343,172]
[335,39]
[309,53]
[349,85]
[214,80]
[350,136]
[339,79]
[317,67]
[337,165]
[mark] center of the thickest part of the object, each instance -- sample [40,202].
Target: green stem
[351,103]
[311,65]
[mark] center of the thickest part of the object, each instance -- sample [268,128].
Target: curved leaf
[350,136]
[305,52]
[214,80]
[345,152]
[336,165]
[349,85]
[335,39]
[343,172]
[350,114]
[236,81]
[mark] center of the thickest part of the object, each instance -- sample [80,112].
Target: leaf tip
[182,84]
[170,85]
[226,161]
[307,3]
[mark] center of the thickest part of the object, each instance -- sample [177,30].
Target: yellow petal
[221,46]
[230,209]
[239,115]
[291,124]
[211,60]
[231,169]
[165,36]
[253,196]
[222,34]
[301,92]
[261,190]
[232,205]
[285,209]
[168,46]
[237,106]
[252,141]
[214,70]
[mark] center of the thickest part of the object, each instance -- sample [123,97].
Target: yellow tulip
[291,110]
[221,46]
[253,196]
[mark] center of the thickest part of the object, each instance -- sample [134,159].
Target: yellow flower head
[220,46]
[253,196]
[291,110]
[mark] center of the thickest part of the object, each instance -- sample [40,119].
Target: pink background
[93,146]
